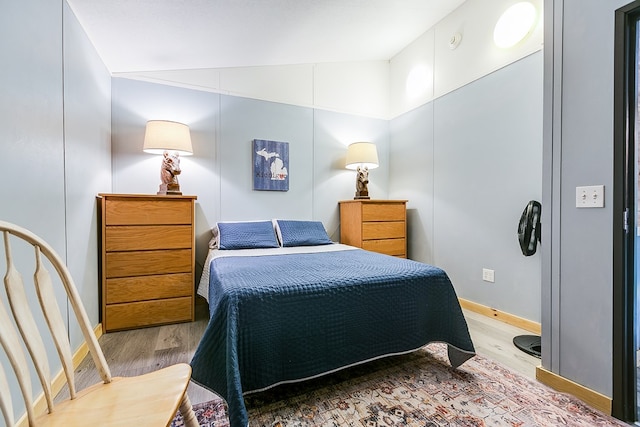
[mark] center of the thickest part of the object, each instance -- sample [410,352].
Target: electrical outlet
[488,275]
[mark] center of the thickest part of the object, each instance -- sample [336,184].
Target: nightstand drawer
[395,247]
[143,263]
[383,230]
[145,313]
[140,212]
[383,212]
[147,237]
[130,289]
[375,225]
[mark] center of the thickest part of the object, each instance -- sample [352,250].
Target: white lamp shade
[161,135]
[362,154]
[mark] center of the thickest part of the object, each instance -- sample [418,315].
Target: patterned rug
[418,389]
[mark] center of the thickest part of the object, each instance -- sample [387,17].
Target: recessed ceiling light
[514,24]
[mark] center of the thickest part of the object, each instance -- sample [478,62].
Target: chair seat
[146,400]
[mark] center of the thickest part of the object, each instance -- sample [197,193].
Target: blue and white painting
[270,165]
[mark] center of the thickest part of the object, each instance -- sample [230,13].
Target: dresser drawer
[143,263]
[145,313]
[130,289]
[395,247]
[146,237]
[383,212]
[146,260]
[383,230]
[140,212]
[375,225]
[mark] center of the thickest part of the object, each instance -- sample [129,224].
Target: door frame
[624,405]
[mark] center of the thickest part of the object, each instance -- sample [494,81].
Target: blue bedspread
[291,317]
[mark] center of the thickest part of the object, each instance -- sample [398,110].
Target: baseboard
[59,380]
[510,319]
[559,383]
[555,381]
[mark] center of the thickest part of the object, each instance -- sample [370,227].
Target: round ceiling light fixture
[514,24]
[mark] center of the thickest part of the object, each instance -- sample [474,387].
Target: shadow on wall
[203,235]
[415,227]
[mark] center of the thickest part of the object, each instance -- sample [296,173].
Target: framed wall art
[270,165]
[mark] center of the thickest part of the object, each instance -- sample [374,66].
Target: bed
[294,306]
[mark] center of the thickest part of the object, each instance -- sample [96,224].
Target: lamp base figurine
[169,171]
[362,179]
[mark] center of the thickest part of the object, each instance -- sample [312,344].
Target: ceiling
[155,35]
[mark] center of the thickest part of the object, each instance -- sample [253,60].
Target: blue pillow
[246,235]
[302,233]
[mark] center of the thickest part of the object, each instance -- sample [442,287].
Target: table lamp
[171,139]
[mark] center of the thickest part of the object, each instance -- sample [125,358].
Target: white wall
[577,293]
[133,104]
[87,160]
[462,142]
[374,88]
[219,173]
[55,138]
[332,132]
[466,151]
[468,163]
[31,138]
[446,69]
[359,87]
[243,120]
[31,123]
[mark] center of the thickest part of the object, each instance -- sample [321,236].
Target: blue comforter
[283,318]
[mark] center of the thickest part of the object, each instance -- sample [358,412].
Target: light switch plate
[590,196]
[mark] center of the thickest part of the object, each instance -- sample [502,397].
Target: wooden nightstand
[375,225]
[147,260]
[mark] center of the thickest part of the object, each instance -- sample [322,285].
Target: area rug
[417,389]
[209,414]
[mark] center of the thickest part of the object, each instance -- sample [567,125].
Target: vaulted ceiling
[154,35]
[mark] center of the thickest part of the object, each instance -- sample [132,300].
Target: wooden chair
[146,400]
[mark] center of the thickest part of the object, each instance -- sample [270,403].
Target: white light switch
[590,197]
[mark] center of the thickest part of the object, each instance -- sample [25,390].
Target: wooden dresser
[375,225]
[147,260]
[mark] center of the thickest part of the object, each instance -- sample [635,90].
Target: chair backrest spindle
[27,329]
[24,319]
[46,296]
[12,347]
[74,299]
[5,399]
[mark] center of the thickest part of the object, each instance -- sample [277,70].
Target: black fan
[529,228]
[529,235]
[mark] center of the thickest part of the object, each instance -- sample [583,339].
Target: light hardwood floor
[143,350]
[493,339]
